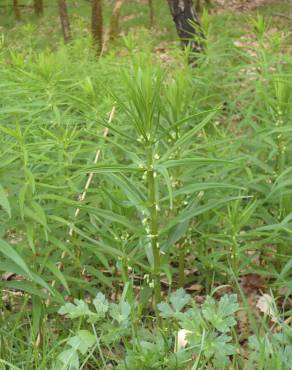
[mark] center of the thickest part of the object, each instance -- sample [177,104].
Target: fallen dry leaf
[252,283]
[199,299]
[194,288]
[266,305]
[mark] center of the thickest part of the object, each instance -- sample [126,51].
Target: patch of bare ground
[241,5]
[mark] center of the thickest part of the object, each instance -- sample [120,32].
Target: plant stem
[181,266]
[281,155]
[280,166]
[98,345]
[234,254]
[153,210]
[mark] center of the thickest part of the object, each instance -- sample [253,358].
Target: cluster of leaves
[109,321]
[207,328]
[272,350]
[208,333]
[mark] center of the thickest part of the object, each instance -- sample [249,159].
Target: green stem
[181,266]
[153,210]
[234,254]
[280,167]
[281,155]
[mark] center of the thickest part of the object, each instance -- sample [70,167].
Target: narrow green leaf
[4,202]
[189,213]
[21,199]
[194,160]
[58,274]
[11,254]
[36,314]
[165,174]
[190,134]
[27,287]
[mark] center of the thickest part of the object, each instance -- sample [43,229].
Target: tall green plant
[156,140]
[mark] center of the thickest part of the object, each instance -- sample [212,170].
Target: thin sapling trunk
[153,211]
[97,24]
[115,20]
[38,7]
[64,17]
[16,10]
[151,13]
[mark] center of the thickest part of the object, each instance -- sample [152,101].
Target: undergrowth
[190,187]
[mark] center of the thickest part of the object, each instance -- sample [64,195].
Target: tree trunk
[115,20]
[187,24]
[38,7]
[97,24]
[64,17]
[151,13]
[16,10]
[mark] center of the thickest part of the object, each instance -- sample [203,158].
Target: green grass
[196,162]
